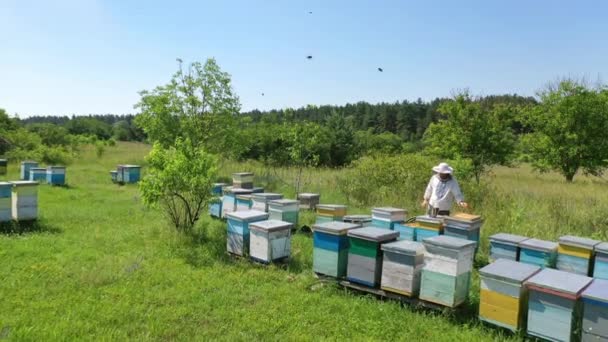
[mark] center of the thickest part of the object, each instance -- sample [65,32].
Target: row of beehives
[18,201]
[54,175]
[571,253]
[126,174]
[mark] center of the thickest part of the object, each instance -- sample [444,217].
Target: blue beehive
[330,248]
[575,254]
[5,201]
[55,175]
[37,174]
[428,227]
[538,252]
[505,246]
[361,220]
[595,311]
[128,173]
[215,208]
[114,176]
[229,199]
[600,269]
[407,231]
[216,189]
[387,217]
[553,304]
[464,226]
[238,229]
[25,169]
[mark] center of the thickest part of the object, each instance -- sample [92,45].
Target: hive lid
[242,174]
[449,242]
[602,247]
[389,210]
[29,162]
[508,238]
[239,191]
[429,219]
[570,240]
[131,166]
[267,195]
[464,217]
[308,195]
[373,234]
[540,245]
[565,282]
[244,197]
[38,169]
[598,290]
[270,225]
[331,206]
[335,227]
[509,270]
[284,202]
[219,185]
[248,215]
[23,183]
[404,247]
[55,167]
[357,218]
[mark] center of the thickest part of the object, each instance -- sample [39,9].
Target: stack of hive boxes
[6,192]
[446,274]
[330,212]
[330,248]
[261,200]
[215,205]
[308,201]
[238,229]
[242,180]
[595,311]
[428,227]
[361,220]
[365,254]
[284,210]
[24,200]
[37,174]
[128,173]
[505,246]
[600,269]
[503,299]
[402,263]
[538,252]
[25,169]
[464,226]
[387,217]
[3,166]
[575,254]
[553,304]
[55,175]
[270,240]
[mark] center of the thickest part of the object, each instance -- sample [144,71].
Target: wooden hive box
[243,202]
[407,231]
[538,252]
[238,229]
[330,248]
[387,217]
[575,254]
[216,189]
[554,305]
[365,254]
[270,240]
[38,174]
[261,200]
[361,220]
[503,297]
[595,311]
[600,268]
[6,191]
[25,169]
[215,208]
[243,180]
[130,173]
[308,201]
[24,200]
[330,212]
[229,198]
[55,175]
[402,263]
[505,246]
[284,210]
[464,226]
[114,176]
[3,166]
[446,273]
[428,227]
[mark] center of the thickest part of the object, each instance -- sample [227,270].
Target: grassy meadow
[100,266]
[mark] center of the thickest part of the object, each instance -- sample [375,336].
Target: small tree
[569,130]
[179,181]
[472,131]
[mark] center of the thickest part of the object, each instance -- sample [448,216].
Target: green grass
[99,266]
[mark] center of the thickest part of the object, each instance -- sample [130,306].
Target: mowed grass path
[102,267]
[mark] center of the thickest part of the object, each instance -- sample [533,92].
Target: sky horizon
[94,56]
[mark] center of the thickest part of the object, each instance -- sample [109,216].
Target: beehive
[330,212]
[407,231]
[284,210]
[243,180]
[216,189]
[257,190]
[55,175]
[386,217]
[503,297]
[464,226]
[260,200]
[238,229]
[428,227]
[505,246]
[553,304]
[3,166]
[25,169]
[243,202]
[402,263]
[229,199]
[595,311]
[365,254]
[575,254]
[446,274]
[24,200]
[330,248]
[215,208]
[6,213]
[128,173]
[114,176]
[600,268]
[308,200]
[361,220]
[270,240]
[38,174]
[538,252]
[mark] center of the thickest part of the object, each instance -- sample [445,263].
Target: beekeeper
[442,190]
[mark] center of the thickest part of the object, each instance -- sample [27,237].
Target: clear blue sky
[93,56]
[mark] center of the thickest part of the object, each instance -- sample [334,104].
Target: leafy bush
[55,155]
[100,149]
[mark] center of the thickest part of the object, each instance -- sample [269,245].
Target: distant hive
[3,166]
[308,201]
[600,269]
[238,230]
[330,213]
[538,252]
[128,173]
[243,202]
[229,199]
[243,180]
[55,175]
[361,220]
[38,174]
[575,254]
[387,217]
[270,240]
[330,248]
[505,246]
[114,176]
[25,200]
[25,169]
[365,254]
[261,200]
[284,210]
[6,213]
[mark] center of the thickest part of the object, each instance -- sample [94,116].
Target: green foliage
[179,180]
[569,130]
[473,131]
[56,155]
[342,140]
[111,142]
[51,134]
[100,149]
[383,143]
[89,126]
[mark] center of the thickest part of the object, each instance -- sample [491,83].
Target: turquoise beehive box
[114,176]
[407,230]
[387,217]
[243,202]
[365,254]
[505,246]
[261,200]
[215,208]
[55,175]
[25,169]
[229,202]
[595,311]
[330,248]
[238,229]
[284,210]
[538,252]
[600,269]
[554,306]
[575,254]
[129,173]
[5,201]
[402,263]
[37,174]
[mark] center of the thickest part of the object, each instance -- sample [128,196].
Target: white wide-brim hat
[443,168]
